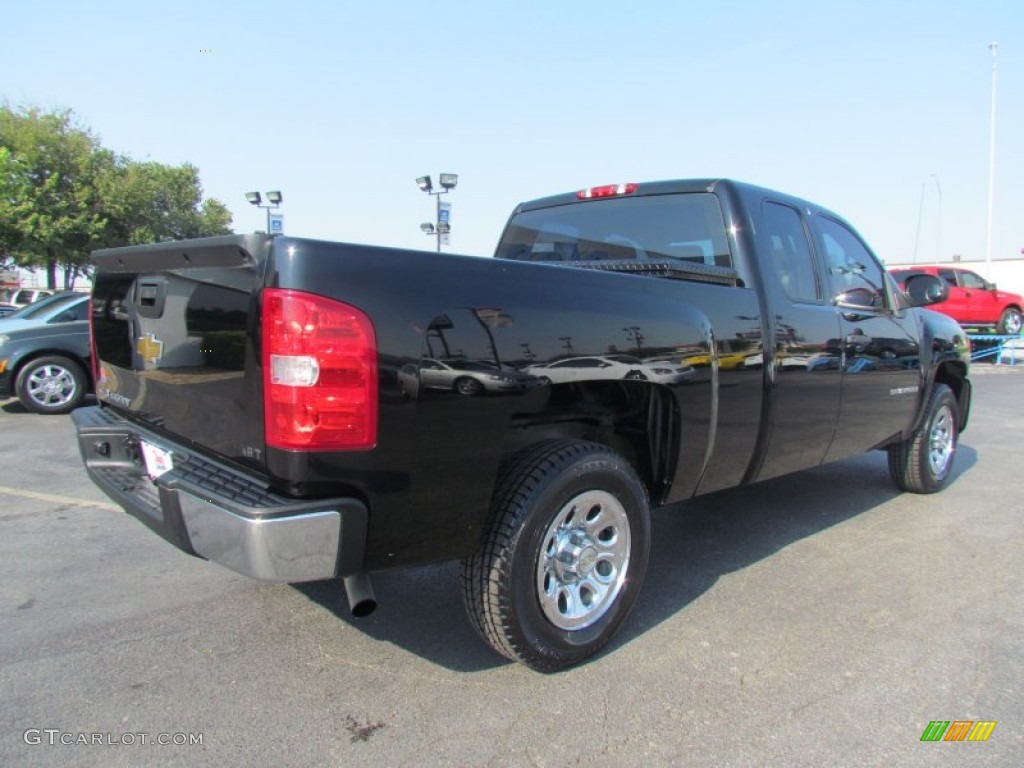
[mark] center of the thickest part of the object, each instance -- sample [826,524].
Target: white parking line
[57,499]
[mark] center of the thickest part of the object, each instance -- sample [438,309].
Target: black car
[44,358]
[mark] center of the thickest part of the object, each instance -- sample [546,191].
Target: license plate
[158,461]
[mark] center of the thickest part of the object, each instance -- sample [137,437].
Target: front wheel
[564,557]
[924,463]
[1009,322]
[468,387]
[51,385]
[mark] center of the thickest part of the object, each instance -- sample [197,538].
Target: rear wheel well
[636,419]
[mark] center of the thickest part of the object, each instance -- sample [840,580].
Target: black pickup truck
[299,410]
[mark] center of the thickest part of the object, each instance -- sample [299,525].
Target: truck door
[880,355]
[981,304]
[957,304]
[805,376]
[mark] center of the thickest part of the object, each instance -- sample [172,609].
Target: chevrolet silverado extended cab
[299,410]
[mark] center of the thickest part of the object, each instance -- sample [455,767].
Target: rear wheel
[564,557]
[1009,322]
[51,385]
[924,463]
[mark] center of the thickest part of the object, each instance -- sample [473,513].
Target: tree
[150,202]
[62,195]
[49,169]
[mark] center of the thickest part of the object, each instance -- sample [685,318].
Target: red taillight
[319,373]
[608,190]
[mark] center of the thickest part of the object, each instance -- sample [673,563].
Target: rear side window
[791,253]
[79,311]
[686,227]
[901,275]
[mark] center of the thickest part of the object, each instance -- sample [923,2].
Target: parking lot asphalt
[817,619]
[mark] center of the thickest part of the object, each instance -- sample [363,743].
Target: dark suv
[973,301]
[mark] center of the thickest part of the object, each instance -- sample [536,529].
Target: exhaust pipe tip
[361,600]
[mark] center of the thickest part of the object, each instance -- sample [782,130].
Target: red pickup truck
[973,300]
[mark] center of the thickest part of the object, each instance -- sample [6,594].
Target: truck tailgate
[176,341]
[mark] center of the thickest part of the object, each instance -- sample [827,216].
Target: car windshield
[43,306]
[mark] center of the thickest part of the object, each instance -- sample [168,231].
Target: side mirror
[856,298]
[924,290]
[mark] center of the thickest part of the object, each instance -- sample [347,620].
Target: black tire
[924,463]
[468,386]
[635,376]
[544,381]
[1009,322]
[564,557]
[51,385]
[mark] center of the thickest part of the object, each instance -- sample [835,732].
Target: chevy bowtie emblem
[149,348]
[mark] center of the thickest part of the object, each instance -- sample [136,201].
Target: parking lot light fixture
[274,199]
[441,226]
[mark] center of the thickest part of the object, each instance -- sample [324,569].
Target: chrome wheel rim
[583,560]
[941,442]
[51,386]
[1013,323]
[467,386]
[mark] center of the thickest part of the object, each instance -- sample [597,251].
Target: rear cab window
[680,227]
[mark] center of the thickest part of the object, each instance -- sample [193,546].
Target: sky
[880,111]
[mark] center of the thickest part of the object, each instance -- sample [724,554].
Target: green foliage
[62,195]
[49,171]
[150,202]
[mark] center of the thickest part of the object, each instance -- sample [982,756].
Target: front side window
[971,280]
[854,273]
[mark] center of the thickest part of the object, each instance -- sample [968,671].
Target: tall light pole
[994,48]
[441,224]
[274,198]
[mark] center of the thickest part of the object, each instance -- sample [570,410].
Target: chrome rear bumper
[219,513]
